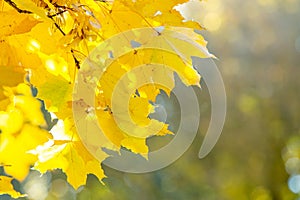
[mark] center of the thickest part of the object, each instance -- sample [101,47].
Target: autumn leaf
[21,131]
[55,92]
[15,23]
[69,154]
[6,187]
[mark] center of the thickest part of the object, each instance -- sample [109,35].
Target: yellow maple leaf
[13,22]
[69,154]
[124,15]
[139,106]
[21,131]
[6,187]
[55,92]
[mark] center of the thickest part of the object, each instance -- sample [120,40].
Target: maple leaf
[139,106]
[14,23]
[69,154]
[55,92]
[6,187]
[20,131]
[124,15]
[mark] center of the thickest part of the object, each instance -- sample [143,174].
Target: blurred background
[258,155]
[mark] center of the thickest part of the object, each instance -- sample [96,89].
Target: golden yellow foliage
[50,40]
[21,131]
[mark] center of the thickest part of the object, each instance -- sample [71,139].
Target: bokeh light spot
[50,64]
[294,184]
[212,21]
[247,103]
[33,46]
[297,44]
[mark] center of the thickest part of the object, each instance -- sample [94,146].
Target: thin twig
[12,4]
[56,14]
